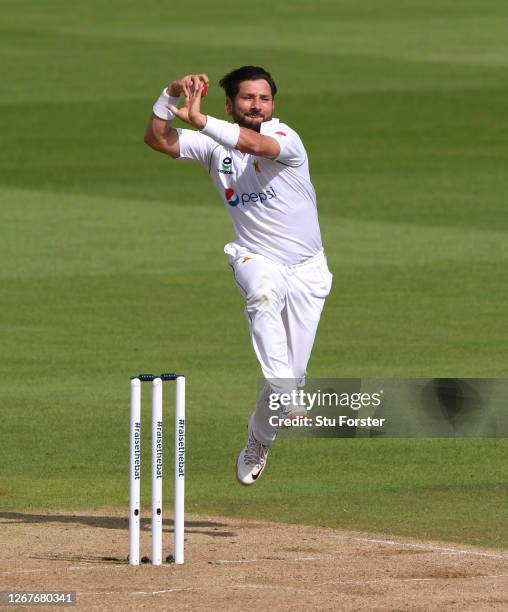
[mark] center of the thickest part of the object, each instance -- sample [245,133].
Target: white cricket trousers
[283,306]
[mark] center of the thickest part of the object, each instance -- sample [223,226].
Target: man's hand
[191,112]
[185,83]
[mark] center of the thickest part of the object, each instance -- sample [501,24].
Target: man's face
[252,105]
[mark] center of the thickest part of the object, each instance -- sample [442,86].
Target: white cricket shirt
[272,203]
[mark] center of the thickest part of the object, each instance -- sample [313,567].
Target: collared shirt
[272,203]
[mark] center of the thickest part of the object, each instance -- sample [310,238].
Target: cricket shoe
[251,460]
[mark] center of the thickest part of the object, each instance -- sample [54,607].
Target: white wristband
[159,108]
[223,132]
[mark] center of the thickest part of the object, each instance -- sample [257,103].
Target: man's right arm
[162,137]
[159,133]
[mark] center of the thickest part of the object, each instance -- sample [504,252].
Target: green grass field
[112,254]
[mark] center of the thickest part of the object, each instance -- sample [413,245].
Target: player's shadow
[210,528]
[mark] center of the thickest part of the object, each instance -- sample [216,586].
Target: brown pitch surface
[237,564]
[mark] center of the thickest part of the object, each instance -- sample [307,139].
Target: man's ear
[229,106]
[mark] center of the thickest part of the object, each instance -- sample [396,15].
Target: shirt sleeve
[292,152]
[195,146]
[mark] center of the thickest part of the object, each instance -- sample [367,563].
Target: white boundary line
[440,549]
[268,559]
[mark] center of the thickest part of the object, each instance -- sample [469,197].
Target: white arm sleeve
[292,151]
[195,147]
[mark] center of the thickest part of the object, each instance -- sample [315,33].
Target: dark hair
[231,82]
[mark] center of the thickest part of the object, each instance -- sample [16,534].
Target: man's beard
[245,122]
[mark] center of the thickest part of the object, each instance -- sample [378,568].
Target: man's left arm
[257,144]
[291,151]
